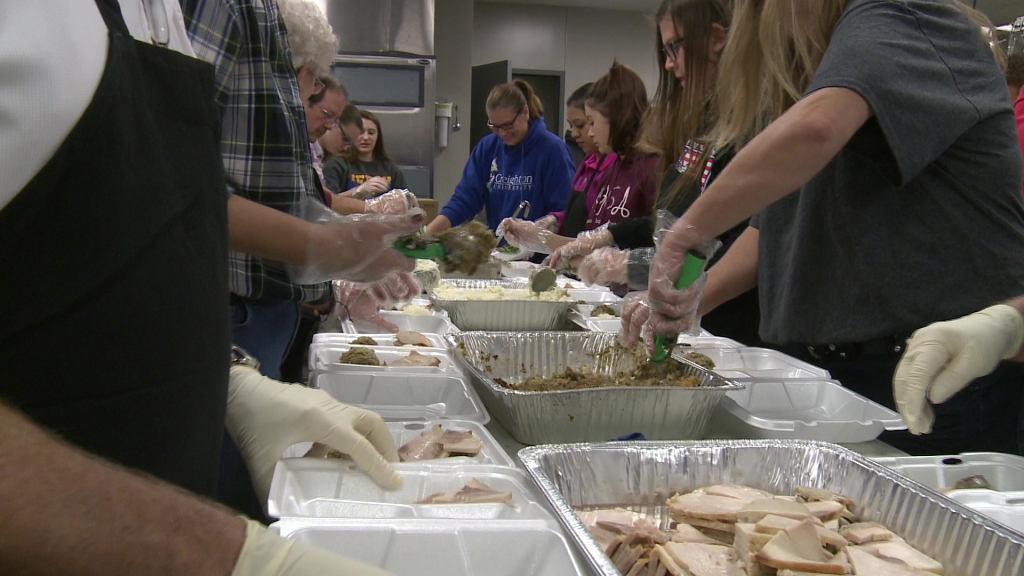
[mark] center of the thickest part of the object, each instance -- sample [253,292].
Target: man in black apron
[115,334]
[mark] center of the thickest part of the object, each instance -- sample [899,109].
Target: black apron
[114,328]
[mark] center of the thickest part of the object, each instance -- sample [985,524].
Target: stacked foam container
[332,504]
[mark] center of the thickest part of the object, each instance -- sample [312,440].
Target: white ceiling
[999,11]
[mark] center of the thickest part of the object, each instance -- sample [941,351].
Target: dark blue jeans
[266,331]
[983,417]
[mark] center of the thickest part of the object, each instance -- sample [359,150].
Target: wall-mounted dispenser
[443,118]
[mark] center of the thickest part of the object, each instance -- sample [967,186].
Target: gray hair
[310,36]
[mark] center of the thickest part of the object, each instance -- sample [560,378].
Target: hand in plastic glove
[265,416]
[636,309]
[526,235]
[585,243]
[549,223]
[675,311]
[605,266]
[363,301]
[394,202]
[941,359]
[357,248]
[372,187]
[267,554]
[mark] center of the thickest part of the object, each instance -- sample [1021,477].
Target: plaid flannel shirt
[264,141]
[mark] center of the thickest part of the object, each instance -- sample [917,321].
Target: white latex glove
[394,202]
[526,235]
[267,554]
[372,187]
[942,358]
[265,416]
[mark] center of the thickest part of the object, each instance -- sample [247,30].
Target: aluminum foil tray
[405,396]
[598,414]
[1004,472]
[802,410]
[443,547]
[643,475]
[326,357]
[760,364]
[501,314]
[383,339]
[333,488]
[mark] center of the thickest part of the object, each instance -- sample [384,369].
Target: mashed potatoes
[449,292]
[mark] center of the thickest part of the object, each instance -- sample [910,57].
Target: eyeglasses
[506,126]
[672,49]
[331,119]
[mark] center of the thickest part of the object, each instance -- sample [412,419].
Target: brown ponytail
[620,96]
[514,96]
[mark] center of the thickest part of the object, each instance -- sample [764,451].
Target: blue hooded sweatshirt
[499,177]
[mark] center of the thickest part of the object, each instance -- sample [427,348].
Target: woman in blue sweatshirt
[520,161]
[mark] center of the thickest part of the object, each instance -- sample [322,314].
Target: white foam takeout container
[744,363]
[333,488]
[443,547]
[801,410]
[382,339]
[326,357]
[1004,472]
[405,396]
[433,324]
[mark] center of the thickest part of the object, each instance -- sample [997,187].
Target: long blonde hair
[773,52]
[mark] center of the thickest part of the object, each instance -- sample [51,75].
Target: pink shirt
[1018,108]
[589,171]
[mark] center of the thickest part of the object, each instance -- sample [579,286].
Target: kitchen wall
[582,42]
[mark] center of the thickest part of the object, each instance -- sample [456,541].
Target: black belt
[886,346]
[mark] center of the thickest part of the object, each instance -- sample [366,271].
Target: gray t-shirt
[919,217]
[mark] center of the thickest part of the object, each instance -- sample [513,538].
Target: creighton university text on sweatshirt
[498,177]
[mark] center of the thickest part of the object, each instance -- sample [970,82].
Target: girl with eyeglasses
[624,188]
[520,160]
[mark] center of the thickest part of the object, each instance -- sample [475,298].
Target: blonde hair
[772,54]
[514,96]
[310,37]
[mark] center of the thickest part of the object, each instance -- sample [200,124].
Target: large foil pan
[642,475]
[501,314]
[597,414]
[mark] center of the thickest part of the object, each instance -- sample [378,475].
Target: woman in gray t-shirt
[365,159]
[880,158]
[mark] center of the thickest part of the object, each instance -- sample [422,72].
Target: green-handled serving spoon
[692,268]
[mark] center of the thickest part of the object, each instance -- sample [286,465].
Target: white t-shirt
[52,55]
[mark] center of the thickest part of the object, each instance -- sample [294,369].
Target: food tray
[584,310]
[1007,508]
[404,396]
[1003,471]
[802,410]
[609,325]
[333,488]
[325,357]
[433,324]
[645,475]
[491,453]
[518,269]
[579,415]
[760,364]
[442,547]
[343,338]
[501,314]
[703,341]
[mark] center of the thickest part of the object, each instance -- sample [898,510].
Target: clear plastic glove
[364,301]
[941,359]
[267,554]
[372,187]
[265,416]
[584,244]
[357,248]
[549,223]
[526,235]
[674,311]
[636,309]
[394,202]
[605,266]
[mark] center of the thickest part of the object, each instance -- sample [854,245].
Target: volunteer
[367,159]
[131,288]
[520,161]
[615,106]
[891,122]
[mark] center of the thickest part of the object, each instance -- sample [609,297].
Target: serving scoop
[692,268]
[462,248]
[542,279]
